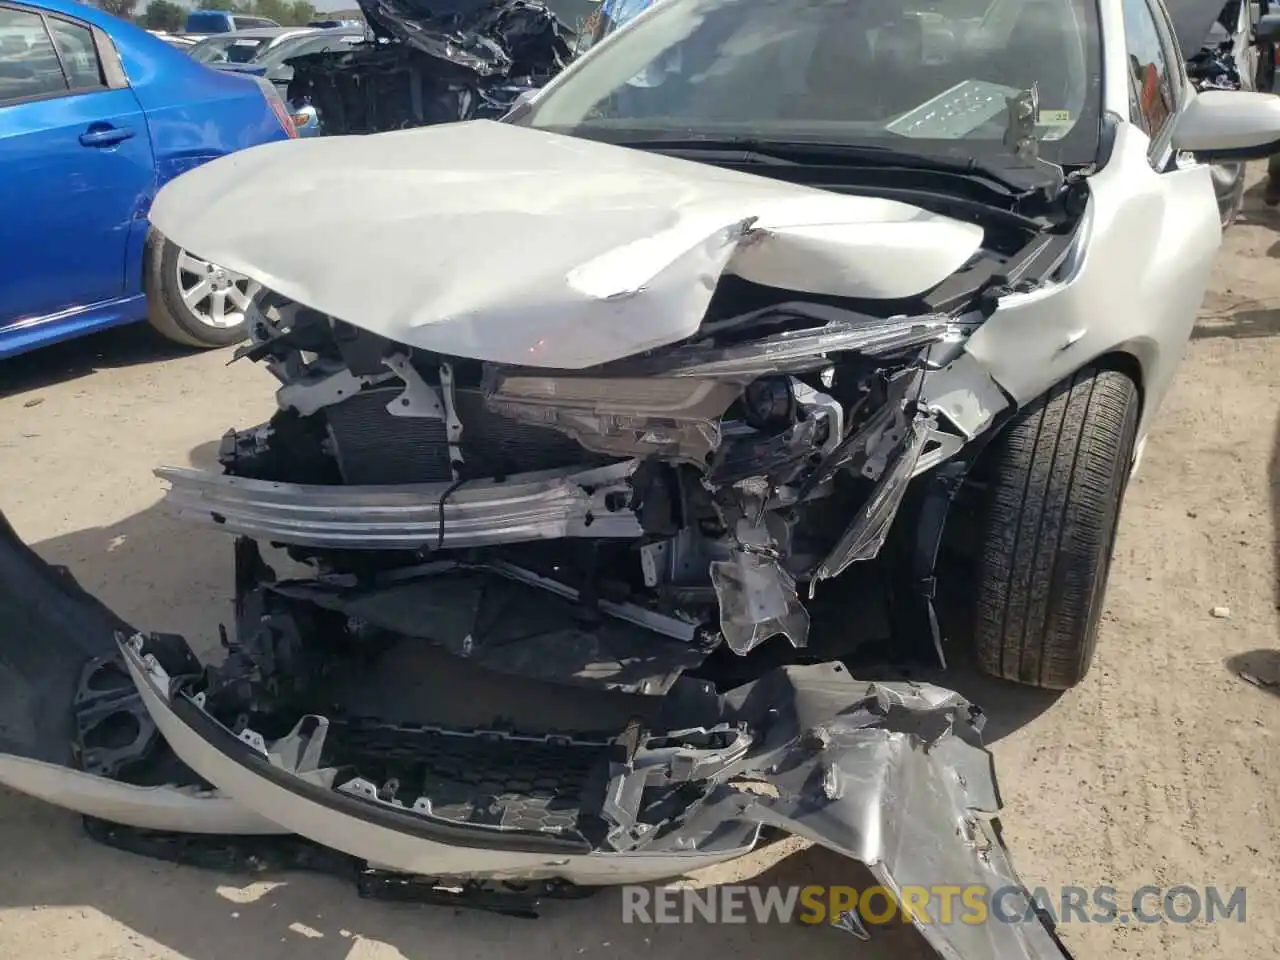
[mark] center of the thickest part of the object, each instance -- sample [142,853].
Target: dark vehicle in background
[223,21]
[276,65]
[423,68]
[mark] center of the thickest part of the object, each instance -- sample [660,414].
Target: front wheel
[191,301]
[1055,480]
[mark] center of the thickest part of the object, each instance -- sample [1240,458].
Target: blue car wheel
[191,301]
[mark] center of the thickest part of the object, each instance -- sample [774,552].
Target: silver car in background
[242,46]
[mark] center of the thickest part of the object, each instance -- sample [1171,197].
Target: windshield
[230,49]
[925,76]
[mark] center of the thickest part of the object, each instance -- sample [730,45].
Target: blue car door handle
[104,135]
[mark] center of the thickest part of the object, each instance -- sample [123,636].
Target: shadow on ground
[126,346]
[1261,668]
[1255,210]
[1240,324]
[1273,475]
[205,456]
[204,915]
[158,575]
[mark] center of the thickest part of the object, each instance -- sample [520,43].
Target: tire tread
[1052,505]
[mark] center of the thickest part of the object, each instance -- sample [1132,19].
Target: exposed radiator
[372,446]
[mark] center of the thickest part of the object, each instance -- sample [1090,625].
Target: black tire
[1056,477]
[168,315]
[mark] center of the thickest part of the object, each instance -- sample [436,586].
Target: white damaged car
[759,343]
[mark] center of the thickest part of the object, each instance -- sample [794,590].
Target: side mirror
[525,97]
[1224,125]
[1268,29]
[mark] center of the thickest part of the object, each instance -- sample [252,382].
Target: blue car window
[79,55]
[28,63]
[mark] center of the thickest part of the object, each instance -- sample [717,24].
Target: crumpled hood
[503,243]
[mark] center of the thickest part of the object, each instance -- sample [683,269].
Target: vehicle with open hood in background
[616,439]
[427,64]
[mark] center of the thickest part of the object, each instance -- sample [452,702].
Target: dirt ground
[1160,769]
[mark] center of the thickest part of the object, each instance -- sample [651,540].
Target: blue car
[95,116]
[223,21]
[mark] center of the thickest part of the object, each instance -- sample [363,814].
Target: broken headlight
[654,395]
[674,417]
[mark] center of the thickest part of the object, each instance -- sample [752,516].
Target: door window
[79,55]
[1151,79]
[45,56]
[29,64]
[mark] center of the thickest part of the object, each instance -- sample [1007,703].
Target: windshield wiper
[791,152]
[728,149]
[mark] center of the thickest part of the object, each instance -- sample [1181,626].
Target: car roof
[251,32]
[334,32]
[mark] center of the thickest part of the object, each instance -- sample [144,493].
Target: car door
[1159,91]
[75,165]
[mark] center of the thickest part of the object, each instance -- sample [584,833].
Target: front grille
[533,786]
[372,446]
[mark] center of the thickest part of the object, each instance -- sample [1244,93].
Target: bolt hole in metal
[216,297]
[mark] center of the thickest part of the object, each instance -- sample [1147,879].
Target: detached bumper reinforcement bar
[533,506]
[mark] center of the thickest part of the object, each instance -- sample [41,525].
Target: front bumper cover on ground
[890,774]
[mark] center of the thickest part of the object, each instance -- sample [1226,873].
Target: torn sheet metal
[487,37]
[756,595]
[608,251]
[540,506]
[899,780]
[964,393]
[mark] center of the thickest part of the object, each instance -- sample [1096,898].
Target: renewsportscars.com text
[939,903]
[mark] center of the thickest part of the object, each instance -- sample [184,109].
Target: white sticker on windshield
[955,113]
